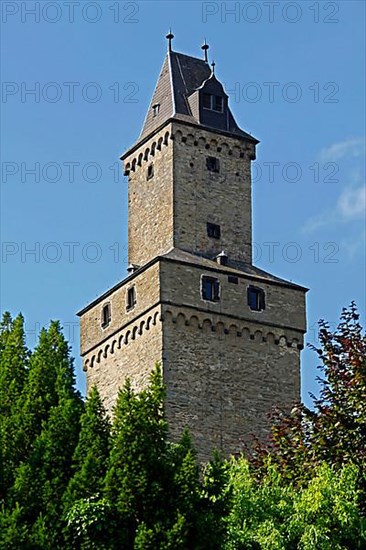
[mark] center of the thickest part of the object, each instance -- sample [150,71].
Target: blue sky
[294,72]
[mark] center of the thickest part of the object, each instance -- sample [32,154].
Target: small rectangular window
[131,298]
[207,101]
[213,230]
[156,109]
[256,299]
[217,103]
[150,171]
[106,315]
[213,164]
[210,289]
[233,279]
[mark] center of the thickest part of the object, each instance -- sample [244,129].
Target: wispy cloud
[354,147]
[351,205]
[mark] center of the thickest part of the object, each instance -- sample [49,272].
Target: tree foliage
[44,428]
[276,515]
[73,478]
[335,430]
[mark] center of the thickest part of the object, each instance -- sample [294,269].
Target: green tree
[13,371]
[136,470]
[153,495]
[273,514]
[50,373]
[91,454]
[90,523]
[13,362]
[44,471]
[335,430]
[215,503]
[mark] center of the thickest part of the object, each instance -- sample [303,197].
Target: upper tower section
[189,172]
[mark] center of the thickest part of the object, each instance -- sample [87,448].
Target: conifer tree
[53,430]
[13,362]
[91,454]
[136,469]
[153,483]
[13,372]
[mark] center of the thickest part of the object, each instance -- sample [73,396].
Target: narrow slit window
[256,299]
[150,171]
[131,298]
[106,315]
[213,164]
[213,230]
[210,289]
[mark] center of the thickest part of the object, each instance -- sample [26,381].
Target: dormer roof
[180,77]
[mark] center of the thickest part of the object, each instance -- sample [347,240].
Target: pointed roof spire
[213,64]
[170,37]
[180,77]
[205,47]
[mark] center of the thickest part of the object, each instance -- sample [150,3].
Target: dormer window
[217,103]
[156,109]
[213,102]
[207,101]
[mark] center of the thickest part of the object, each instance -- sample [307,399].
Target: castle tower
[227,334]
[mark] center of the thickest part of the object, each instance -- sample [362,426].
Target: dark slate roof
[179,77]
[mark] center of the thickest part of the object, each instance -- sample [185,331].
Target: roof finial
[170,37]
[205,47]
[213,67]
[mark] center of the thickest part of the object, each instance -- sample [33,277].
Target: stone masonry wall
[285,306]
[224,379]
[131,344]
[225,366]
[131,353]
[173,206]
[147,289]
[201,196]
[150,200]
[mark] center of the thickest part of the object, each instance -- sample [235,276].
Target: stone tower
[227,334]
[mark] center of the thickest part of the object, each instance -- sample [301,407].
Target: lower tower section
[228,341]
